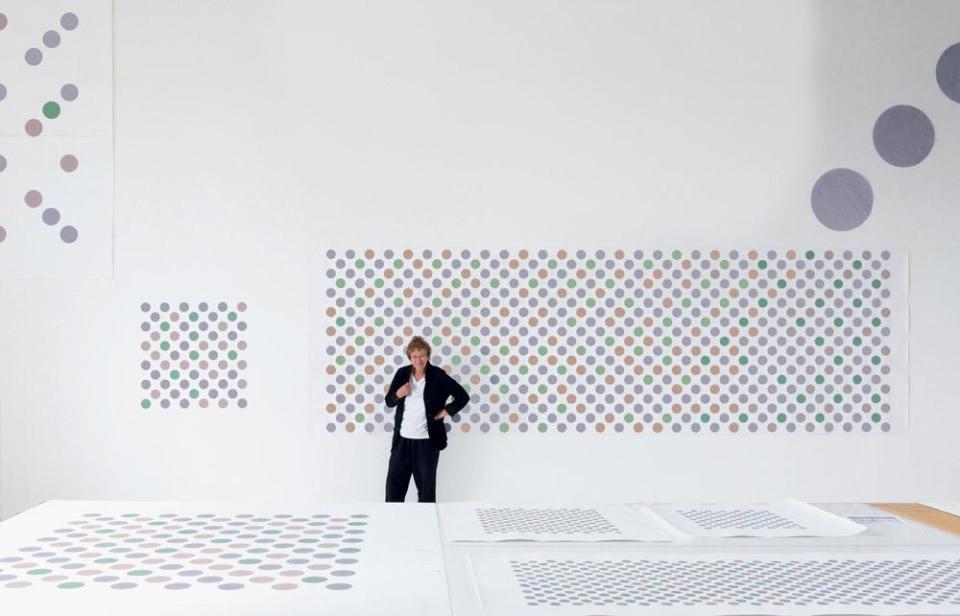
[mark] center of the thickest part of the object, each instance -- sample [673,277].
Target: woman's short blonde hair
[418,344]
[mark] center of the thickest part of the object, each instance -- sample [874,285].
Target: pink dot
[33,127]
[33,198]
[69,163]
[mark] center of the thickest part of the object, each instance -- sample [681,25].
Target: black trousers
[417,457]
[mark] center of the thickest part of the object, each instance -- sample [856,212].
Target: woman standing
[420,392]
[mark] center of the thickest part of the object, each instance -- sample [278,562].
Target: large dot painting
[694,341]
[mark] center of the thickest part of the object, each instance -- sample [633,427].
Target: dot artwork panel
[868,583]
[56,158]
[196,559]
[482,522]
[496,520]
[784,518]
[178,552]
[738,518]
[193,355]
[620,341]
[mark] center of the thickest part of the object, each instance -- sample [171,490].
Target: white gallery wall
[250,136]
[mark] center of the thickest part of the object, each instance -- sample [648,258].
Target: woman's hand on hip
[441,415]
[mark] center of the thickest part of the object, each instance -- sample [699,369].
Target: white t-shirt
[414,424]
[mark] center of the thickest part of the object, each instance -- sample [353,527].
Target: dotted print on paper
[700,341]
[713,519]
[194,355]
[738,583]
[544,521]
[179,552]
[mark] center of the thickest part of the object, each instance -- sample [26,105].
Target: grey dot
[124,586]
[903,135]
[69,21]
[339,586]
[842,199]
[948,72]
[51,39]
[69,234]
[51,216]
[3,91]
[231,586]
[3,234]
[3,162]
[69,92]
[177,586]
[33,56]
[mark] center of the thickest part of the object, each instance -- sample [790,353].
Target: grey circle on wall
[33,56]
[842,199]
[948,72]
[903,135]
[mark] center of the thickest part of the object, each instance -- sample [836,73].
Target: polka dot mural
[742,584]
[193,355]
[565,520]
[737,518]
[661,341]
[178,552]
[73,235]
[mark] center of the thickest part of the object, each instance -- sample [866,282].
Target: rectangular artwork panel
[787,584]
[707,341]
[482,522]
[785,518]
[56,139]
[187,558]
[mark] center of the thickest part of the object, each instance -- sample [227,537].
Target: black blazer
[440,386]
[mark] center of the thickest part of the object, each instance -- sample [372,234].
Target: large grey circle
[903,135]
[948,72]
[842,199]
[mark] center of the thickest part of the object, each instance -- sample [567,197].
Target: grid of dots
[662,341]
[178,552]
[194,355]
[713,519]
[499,520]
[729,583]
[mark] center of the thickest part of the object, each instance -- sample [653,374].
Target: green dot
[174,374]
[838,360]
[857,379]
[875,360]
[837,283]
[743,417]
[398,263]
[743,360]
[762,264]
[249,561]
[359,263]
[667,418]
[313,579]
[504,389]
[667,341]
[542,427]
[378,283]
[837,398]
[782,417]
[705,417]
[504,427]
[875,284]
[139,572]
[782,379]
[166,550]
[743,284]
[38,572]
[818,340]
[194,393]
[341,283]
[232,354]
[875,398]
[51,110]
[348,550]
[194,336]
[743,322]
[164,346]
[145,403]
[194,316]
[782,284]
[857,340]
[819,303]
[164,326]
[648,264]
[628,417]
[838,322]
[194,354]
[667,360]
[647,380]
[724,264]
[801,398]
[105,561]
[810,254]
[232,316]
[705,360]
[70,585]
[876,417]
[724,340]
[359,417]
[676,254]
[819,417]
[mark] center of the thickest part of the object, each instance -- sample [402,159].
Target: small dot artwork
[754,519]
[500,520]
[193,355]
[618,341]
[748,584]
[174,552]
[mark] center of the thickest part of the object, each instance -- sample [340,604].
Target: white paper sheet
[165,558]
[484,522]
[785,518]
[578,582]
